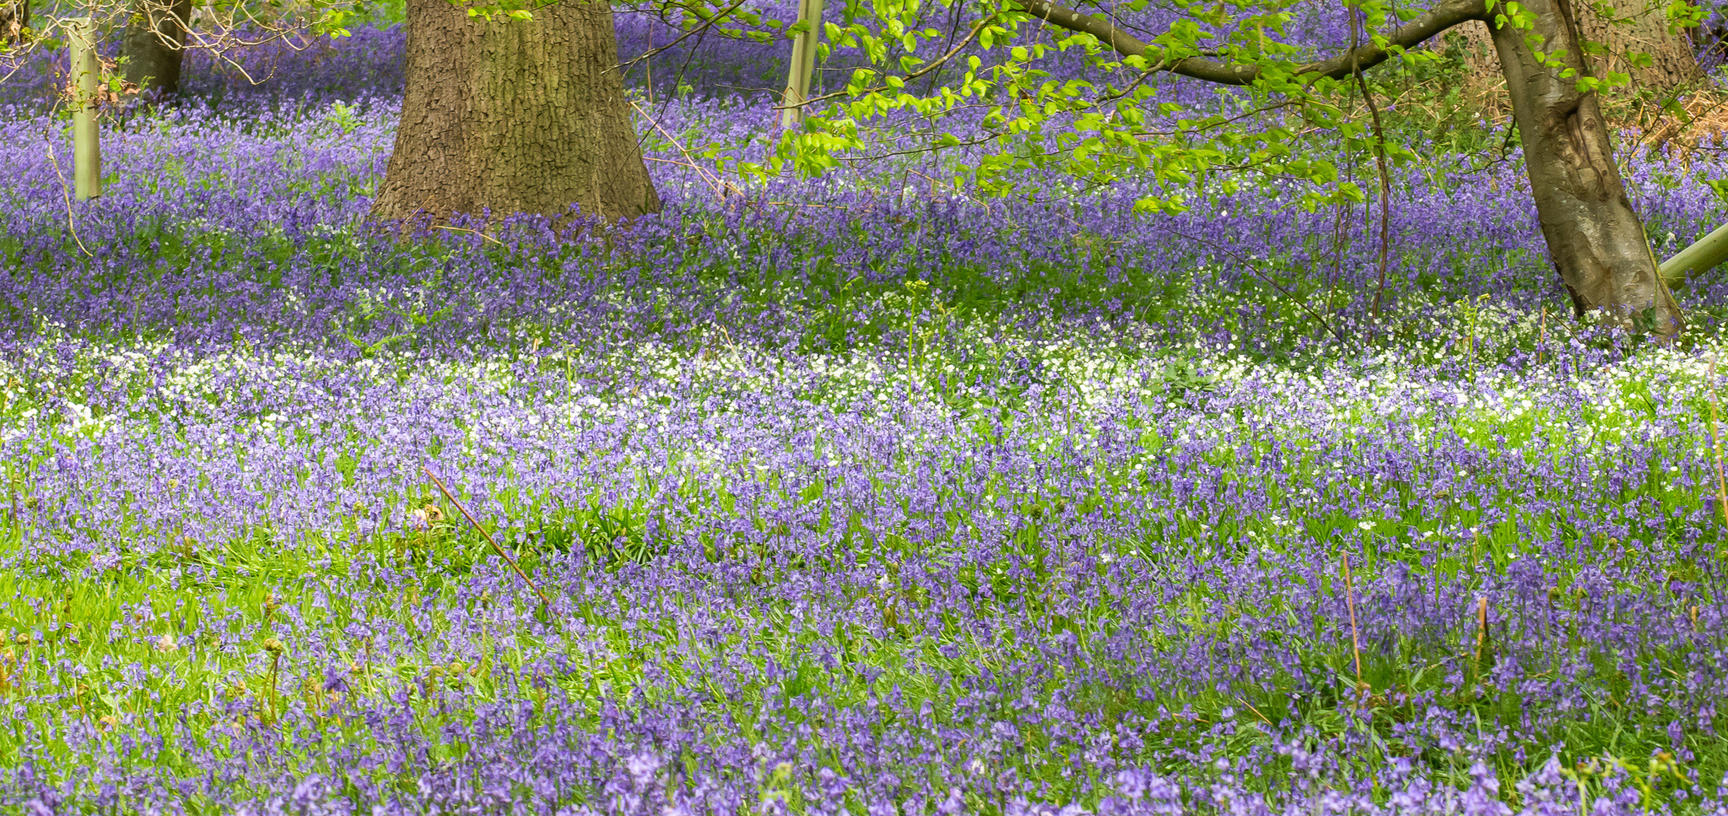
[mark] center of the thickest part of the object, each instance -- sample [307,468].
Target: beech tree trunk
[1637,27]
[509,116]
[1597,242]
[153,46]
[14,18]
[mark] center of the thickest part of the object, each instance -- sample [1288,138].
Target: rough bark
[1596,240]
[14,18]
[509,116]
[1635,26]
[153,46]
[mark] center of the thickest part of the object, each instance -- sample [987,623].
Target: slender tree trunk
[508,116]
[1596,241]
[801,64]
[14,18]
[154,42]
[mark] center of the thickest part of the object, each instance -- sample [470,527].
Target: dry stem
[1355,636]
[495,548]
[1481,629]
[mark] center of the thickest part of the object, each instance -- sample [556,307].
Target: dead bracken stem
[495,548]
[1355,636]
[1481,629]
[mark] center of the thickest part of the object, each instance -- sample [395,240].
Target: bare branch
[1442,16]
[706,23]
[952,52]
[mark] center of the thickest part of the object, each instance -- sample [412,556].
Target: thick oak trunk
[154,44]
[14,18]
[1595,239]
[508,116]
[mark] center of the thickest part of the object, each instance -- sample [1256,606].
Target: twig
[1355,636]
[1249,264]
[466,229]
[957,191]
[1542,337]
[65,197]
[1716,444]
[1481,629]
[1244,701]
[652,52]
[720,186]
[674,162]
[947,56]
[495,548]
[1379,161]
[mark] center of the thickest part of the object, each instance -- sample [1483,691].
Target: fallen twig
[495,548]
[1355,636]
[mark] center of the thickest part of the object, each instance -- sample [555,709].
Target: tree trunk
[1595,239]
[14,18]
[801,64]
[508,116]
[1638,26]
[152,49]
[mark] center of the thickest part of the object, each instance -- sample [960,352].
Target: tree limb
[1442,16]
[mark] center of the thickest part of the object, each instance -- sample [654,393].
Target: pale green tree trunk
[802,64]
[86,80]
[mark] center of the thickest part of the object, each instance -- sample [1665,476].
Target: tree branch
[1442,16]
[706,22]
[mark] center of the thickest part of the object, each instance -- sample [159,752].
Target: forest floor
[848,495]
